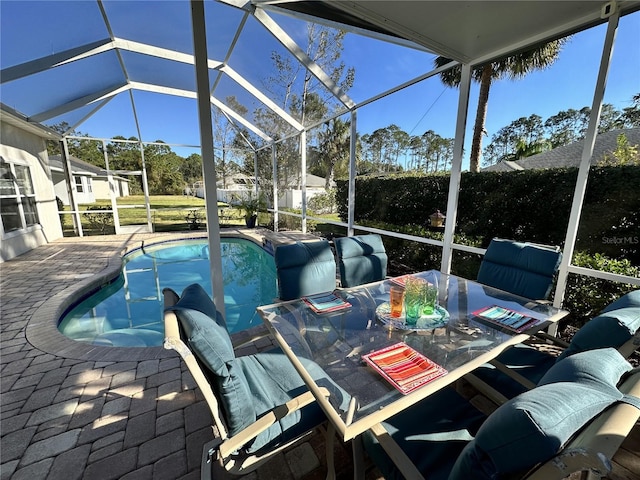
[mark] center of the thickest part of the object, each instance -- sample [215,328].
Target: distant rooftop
[569,155]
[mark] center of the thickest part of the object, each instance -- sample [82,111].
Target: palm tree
[516,66]
[333,147]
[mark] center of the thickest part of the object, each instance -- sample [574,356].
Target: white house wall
[25,148]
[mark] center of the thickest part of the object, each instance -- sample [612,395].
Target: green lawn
[168,213]
[172,213]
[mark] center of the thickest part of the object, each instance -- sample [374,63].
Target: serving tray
[506,318]
[403,367]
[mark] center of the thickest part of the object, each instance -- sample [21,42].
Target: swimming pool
[128,311]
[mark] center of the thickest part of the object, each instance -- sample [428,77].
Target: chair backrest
[361,259]
[524,269]
[613,328]
[305,268]
[196,327]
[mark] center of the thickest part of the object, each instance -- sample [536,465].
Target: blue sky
[429,105]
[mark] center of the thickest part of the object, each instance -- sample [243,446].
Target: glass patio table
[340,341]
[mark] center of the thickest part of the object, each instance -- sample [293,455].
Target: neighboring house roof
[79,167]
[570,155]
[313,181]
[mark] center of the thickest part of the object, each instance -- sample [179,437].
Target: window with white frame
[17,197]
[78,180]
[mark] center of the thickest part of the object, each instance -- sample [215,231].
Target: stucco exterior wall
[25,148]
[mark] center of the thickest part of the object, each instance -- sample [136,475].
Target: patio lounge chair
[521,367]
[304,268]
[574,421]
[525,269]
[259,403]
[361,259]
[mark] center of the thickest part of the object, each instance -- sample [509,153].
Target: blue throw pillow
[611,329]
[212,346]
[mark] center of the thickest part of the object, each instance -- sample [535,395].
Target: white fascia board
[288,43]
[78,103]
[240,119]
[17,119]
[260,96]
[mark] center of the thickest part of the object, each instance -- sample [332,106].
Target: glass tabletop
[344,342]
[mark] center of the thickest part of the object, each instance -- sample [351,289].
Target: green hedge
[531,205]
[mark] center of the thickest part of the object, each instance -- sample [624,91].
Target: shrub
[63,217]
[100,221]
[323,202]
[530,205]
[586,296]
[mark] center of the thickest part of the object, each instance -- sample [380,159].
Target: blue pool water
[128,311]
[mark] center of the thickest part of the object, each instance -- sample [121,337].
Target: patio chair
[305,268]
[361,259]
[259,403]
[521,367]
[525,269]
[574,421]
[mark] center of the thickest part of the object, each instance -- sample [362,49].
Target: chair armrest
[631,345]
[247,337]
[572,460]
[241,438]
[557,341]
[397,455]
[598,442]
[485,389]
[170,297]
[513,374]
[172,341]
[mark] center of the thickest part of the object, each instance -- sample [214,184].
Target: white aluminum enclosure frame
[375,19]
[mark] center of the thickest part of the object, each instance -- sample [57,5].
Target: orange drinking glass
[396,299]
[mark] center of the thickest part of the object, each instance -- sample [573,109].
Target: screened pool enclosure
[192,76]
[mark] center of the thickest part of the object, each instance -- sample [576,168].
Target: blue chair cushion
[362,259]
[610,329]
[194,297]
[600,368]
[520,268]
[305,268]
[532,427]
[432,433]
[631,299]
[274,381]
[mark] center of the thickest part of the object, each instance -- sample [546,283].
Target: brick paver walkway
[64,416]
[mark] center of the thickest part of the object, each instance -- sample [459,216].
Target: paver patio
[71,413]
[64,417]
